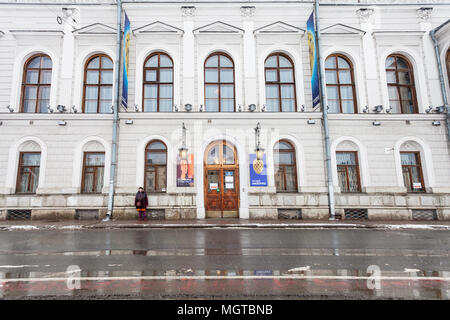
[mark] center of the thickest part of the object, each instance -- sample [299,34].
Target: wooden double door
[221,177]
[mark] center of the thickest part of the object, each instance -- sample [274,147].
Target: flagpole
[324,105]
[116,115]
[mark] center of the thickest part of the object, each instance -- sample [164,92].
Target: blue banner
[313,60]
[258,171]
[126,50]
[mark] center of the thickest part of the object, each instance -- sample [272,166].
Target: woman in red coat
[141,203]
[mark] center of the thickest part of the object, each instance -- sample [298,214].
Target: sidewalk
[10,225]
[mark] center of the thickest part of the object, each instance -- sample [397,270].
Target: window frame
[218,83]
[336,56]
[155,166]
[357,167]
[99,84]
[397,85]
[279,83]
[157,82]
[419,166]
[283,166]
[19,175]
[38,85]
[83,179]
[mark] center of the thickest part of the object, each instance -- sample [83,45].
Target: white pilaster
[373,90]
[67,57]
[250,81]
[188,89]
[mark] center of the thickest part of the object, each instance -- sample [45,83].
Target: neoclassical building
[220,68]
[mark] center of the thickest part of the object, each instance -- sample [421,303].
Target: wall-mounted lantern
[259,151]
[182,151]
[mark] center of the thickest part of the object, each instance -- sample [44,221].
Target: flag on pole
[313,60]
[126,50]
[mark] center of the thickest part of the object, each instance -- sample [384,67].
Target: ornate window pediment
[158,27]
[340,29]
[218,27]
[279,27]
[95,29]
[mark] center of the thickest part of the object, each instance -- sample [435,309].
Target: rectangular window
[348,171]
[412,171]
[93,170]
[28,172]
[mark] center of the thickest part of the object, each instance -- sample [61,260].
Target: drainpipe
[324,104]
[116,115]
[441,77]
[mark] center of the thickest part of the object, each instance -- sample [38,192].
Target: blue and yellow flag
[313,60]
[126,50]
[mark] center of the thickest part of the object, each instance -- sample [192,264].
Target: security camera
[61,108]
[378,108]
[440,109]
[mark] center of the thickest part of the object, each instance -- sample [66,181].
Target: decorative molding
[279,27]
[398,33]
[248,11]
[364,14]
[158,27]
[33,32]
[95,29]
[218,27]
[424,13]
[188,11]
[340,29]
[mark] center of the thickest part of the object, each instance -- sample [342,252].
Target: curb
[390,227]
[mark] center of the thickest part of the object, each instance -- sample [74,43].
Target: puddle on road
[270,284]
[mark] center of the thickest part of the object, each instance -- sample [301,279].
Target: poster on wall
[185,171]
[258,171]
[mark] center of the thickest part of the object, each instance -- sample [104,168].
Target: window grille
[290,214]
[356,214]
[17,214]
[86,214]
[424,214]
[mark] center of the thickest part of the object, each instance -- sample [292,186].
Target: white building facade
[390,150]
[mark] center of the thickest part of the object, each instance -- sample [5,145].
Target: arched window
[400,81]
[97,85]
[285,167]
[36,81]
[348,171]
[340,84]
[219,83]
[155,166]
[158,83]
[280,83]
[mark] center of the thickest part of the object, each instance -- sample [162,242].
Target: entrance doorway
[221,176]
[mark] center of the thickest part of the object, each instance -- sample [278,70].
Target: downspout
[324,104]
[112,173]
[441,77]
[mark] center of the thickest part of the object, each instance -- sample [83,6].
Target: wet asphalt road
[225,263]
